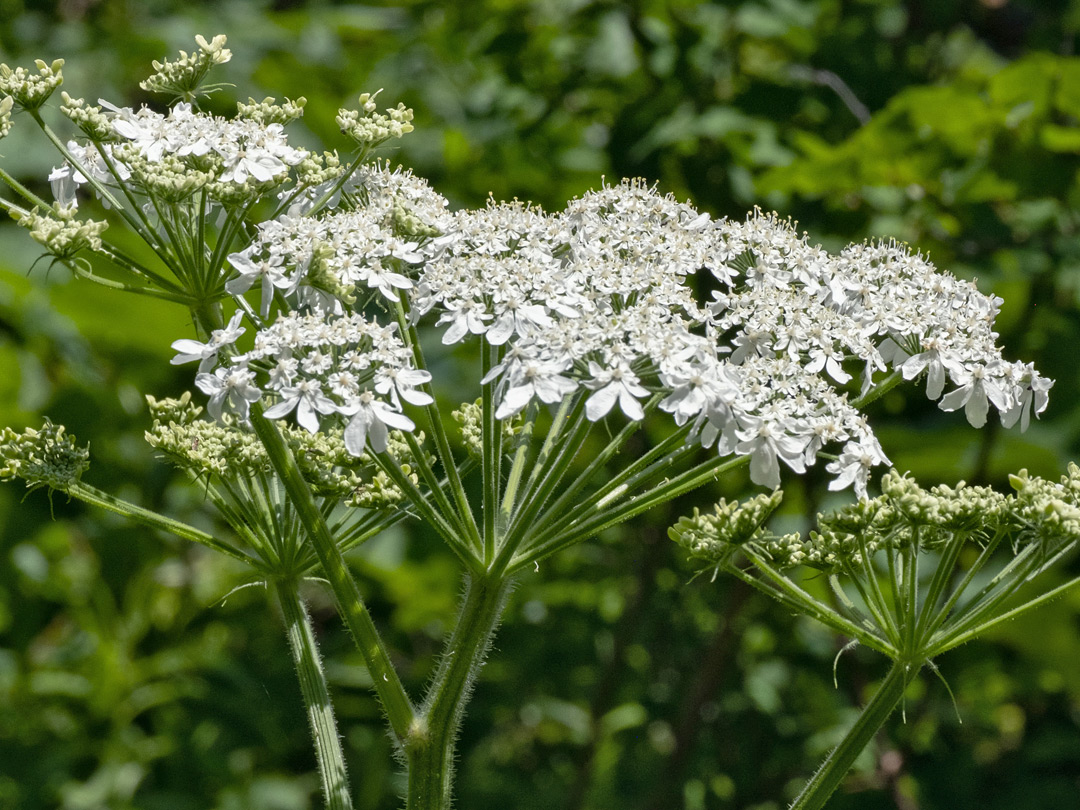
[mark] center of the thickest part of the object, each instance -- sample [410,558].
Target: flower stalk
[430,751]
[873,716]
[399,709]
[316,695]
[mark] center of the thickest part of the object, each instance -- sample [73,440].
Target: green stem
[119,285]
[146,517]
[832,772]
[430,753]
[960,638]
[591,518]
[783,589]
[350,604]
[320,712]
[491,462]
[438,430]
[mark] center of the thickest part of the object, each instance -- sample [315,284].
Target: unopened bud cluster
[90,118]
[715,537]
[904,516]
[60,233]
[43,457]
[220,448]
[30,90]
[6,103]
[368,127]
[182,77]
[470,417]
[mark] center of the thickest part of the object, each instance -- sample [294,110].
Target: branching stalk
[399,709]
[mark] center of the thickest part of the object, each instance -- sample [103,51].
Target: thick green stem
[320,712]
[430,752]
[350,604]
[825,782]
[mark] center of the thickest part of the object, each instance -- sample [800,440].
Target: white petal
[598,405]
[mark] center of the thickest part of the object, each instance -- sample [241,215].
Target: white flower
[401,383]
[766,443]
[935,362]
[190,350]
[465,317]
[232,386]
[854,464]
[611,385]
[269,271]
[978,388]
[385,280]
[370,423]
[531,378]
[308,399]
[1030,396]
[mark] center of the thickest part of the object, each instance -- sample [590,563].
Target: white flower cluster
[322,262]
[595,298]
[317,365]
[188,149]
[596,301]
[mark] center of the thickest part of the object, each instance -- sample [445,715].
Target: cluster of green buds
[316,169]
[368,127]
[89,118]
[42,458]
[715,537]
[470,417]
[170,179]
[6,103]
[898,580]
[30,90]
[182,77]
[268,111]
[59,232]
[222,449]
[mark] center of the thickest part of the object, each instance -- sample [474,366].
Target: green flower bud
[31,90]
[42,458]
[182,77]
[370,128]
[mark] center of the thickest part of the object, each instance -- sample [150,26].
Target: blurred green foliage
[129,680]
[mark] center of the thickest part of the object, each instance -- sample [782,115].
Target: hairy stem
[320,712]
[825,782]
[430,750]
[350,604]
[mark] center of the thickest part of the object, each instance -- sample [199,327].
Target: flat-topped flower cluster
[597,302]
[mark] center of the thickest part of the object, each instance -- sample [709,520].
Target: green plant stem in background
[320,712]
[832,772]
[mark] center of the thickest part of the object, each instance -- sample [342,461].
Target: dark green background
[618,680]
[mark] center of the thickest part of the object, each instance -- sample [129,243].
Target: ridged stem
[320,712]
[350,604]
[835,767]
[430,755]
